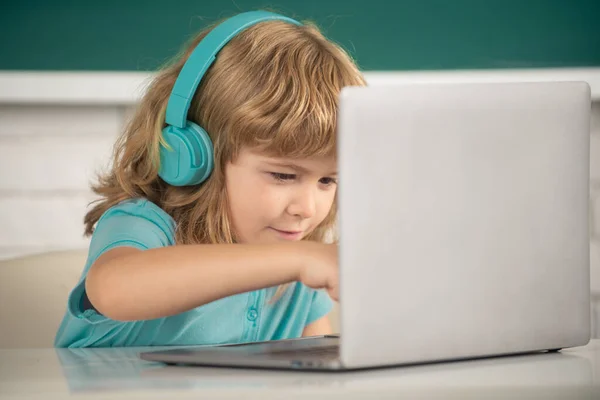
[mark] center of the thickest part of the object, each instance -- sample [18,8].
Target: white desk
[120,374]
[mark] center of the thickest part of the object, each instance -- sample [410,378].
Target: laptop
[463,221]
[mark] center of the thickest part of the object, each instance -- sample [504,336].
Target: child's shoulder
[138,209]
[138,205]
[137,223]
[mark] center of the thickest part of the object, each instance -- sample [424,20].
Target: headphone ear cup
[189,159]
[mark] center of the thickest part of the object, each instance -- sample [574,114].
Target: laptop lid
[463,220]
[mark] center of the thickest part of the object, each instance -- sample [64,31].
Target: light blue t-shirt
[245,317]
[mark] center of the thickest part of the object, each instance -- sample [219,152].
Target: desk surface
[120,374]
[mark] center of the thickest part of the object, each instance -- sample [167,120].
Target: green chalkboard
[136,35]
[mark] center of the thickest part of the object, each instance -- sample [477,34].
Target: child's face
[273,199]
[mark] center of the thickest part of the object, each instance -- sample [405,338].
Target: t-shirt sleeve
[321,305]
[134,224]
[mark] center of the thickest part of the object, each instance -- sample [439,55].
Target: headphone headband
[202,58]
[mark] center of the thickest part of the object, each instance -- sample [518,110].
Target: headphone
[188,159]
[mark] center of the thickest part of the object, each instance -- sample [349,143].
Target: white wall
[56,130]
[48,153]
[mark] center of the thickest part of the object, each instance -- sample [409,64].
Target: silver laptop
[463,229]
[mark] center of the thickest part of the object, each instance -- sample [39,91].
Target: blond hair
[274,86]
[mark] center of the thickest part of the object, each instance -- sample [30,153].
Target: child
[212,222]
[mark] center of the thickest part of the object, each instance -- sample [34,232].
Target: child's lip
[288,232]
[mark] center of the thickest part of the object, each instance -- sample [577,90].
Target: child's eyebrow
[295,167]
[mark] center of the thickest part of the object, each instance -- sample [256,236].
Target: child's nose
[304,203]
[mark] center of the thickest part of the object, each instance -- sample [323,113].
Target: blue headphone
[189,160]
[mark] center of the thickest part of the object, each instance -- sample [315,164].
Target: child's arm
[129,284]
[320,327]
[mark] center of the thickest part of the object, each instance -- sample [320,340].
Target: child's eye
[282,177]
[328,181]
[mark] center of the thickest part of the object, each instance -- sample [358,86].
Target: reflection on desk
[120,373]
[110,369]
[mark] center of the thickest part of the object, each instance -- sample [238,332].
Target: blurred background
[72,71]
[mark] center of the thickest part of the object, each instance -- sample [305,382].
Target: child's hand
[319,267]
